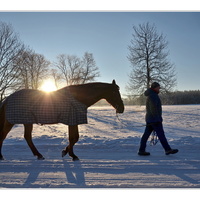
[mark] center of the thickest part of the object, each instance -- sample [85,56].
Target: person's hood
[148,92]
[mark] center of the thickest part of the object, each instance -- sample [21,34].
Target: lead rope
[144,125]
[154,137]
[126,124]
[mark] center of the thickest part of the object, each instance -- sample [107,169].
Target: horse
[85,94]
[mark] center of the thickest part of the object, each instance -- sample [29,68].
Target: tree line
[170,98]
[21,67]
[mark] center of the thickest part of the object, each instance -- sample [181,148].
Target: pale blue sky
[107,35]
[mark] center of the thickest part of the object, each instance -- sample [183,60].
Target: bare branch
[33,69]
[76,70]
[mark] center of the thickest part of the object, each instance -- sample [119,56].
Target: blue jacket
[153,107]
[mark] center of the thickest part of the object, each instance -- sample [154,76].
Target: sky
[107,35]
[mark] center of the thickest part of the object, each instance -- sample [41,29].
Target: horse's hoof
[40,158]
[64,153]
[1,158]
[75,159]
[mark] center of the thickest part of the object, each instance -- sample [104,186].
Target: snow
[107,149]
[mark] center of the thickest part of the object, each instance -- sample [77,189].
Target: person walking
[154,121]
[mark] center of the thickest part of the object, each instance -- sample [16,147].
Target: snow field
[107,149]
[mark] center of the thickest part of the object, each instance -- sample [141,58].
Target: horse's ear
[113,82]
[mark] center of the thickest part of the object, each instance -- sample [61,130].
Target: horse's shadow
[74,173]
[91,169]
[58,173]
[32,173]
[69,173]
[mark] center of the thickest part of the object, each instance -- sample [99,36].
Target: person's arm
[155,108]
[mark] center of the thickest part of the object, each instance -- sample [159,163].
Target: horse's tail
[2,116]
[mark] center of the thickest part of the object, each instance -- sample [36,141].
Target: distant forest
[172,98]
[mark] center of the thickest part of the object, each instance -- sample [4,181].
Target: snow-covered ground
[107,149]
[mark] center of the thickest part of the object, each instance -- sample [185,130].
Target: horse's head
[114,98]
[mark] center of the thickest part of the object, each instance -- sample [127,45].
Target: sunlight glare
[48,86]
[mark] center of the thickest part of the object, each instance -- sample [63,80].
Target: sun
[48,86]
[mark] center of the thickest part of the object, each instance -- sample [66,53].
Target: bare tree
[33,69]
[69,66]
[57,77]
[10,50]
[76,70]
[149,59]
[89,68]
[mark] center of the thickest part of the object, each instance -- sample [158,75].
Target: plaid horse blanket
[37,107]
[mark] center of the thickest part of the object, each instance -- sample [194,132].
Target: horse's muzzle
[120,109]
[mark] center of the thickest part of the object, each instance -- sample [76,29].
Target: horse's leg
[28,137]
[73,138]
[3,133]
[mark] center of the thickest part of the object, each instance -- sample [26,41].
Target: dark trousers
[158,128]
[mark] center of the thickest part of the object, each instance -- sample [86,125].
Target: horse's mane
[94,85]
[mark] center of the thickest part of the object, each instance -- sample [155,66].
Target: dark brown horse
[87,94]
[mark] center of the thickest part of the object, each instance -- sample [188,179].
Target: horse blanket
[37,107]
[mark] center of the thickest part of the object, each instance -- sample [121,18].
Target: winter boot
[171,151]
[143,153]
